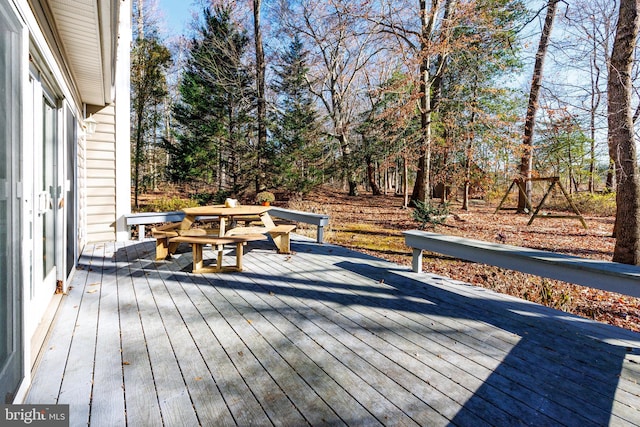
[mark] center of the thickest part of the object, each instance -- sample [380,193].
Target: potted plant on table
[265,198]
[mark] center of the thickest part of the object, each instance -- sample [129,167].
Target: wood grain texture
[322,336]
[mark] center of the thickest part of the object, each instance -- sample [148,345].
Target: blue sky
[177,14]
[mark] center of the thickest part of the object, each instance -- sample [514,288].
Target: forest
[424,99]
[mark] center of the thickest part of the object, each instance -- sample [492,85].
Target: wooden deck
[324,336]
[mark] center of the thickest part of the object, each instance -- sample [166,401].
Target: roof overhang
[88,32]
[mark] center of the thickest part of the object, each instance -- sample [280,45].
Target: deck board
[323,336]
[531,394]
[76,387]
[173,396]
[142,404]
[205,394]
[221,348]
[53,357]
[108,400]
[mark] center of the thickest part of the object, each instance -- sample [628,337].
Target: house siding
[100,180]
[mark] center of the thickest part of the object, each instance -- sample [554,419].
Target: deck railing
[146,218]
[599,274]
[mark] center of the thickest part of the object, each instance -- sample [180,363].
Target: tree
[149,63]
[390,129]
[342,46]
[214,128]
[562,147]
[473,103]
[596,20]
[622,144]
[579,61]
[526,162]
[429,40]
[260,92]
[295,151]
[430,79]
[374,132]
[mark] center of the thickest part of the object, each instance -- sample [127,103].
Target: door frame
[41,286]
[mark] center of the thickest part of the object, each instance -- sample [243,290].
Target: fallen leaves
[373,225]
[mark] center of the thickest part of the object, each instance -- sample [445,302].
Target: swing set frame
[554,180]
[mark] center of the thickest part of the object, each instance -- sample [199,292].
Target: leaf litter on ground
[374,225]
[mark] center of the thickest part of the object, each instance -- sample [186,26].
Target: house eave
[87,31]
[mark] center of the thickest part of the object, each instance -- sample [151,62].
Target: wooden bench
[197,242]
[162,234]
[320,220]
[279,234]
[165,232]
[605,275]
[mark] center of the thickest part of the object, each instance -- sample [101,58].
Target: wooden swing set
[554,180]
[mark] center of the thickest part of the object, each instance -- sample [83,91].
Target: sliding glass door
[48,191]
[44,244]
[11,371]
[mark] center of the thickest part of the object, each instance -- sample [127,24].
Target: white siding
[100,179]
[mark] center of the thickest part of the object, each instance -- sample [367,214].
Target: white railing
[605,275]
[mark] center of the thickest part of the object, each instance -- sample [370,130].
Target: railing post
[416,261]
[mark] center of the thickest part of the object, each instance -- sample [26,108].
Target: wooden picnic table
[167,236]
[226,215]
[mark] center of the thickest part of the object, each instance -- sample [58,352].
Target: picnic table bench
[279,234]
[165,232]
[605,275]
[198,242]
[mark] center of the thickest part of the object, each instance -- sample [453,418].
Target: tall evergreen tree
[295,149]
[473,100]
[213,114]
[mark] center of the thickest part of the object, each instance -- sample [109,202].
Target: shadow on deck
[323,336]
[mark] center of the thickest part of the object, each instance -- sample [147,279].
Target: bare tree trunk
[526,162]
[422,184]
[468,162]
[348,165]
[421,189]
[140,19]
[139,115]
[467,176]
[621,135]
[405,183]
[137,155]
[595,102]
[571,178]
[371,176]
[262,106]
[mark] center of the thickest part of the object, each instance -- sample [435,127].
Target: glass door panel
[48,191]
[11,371]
